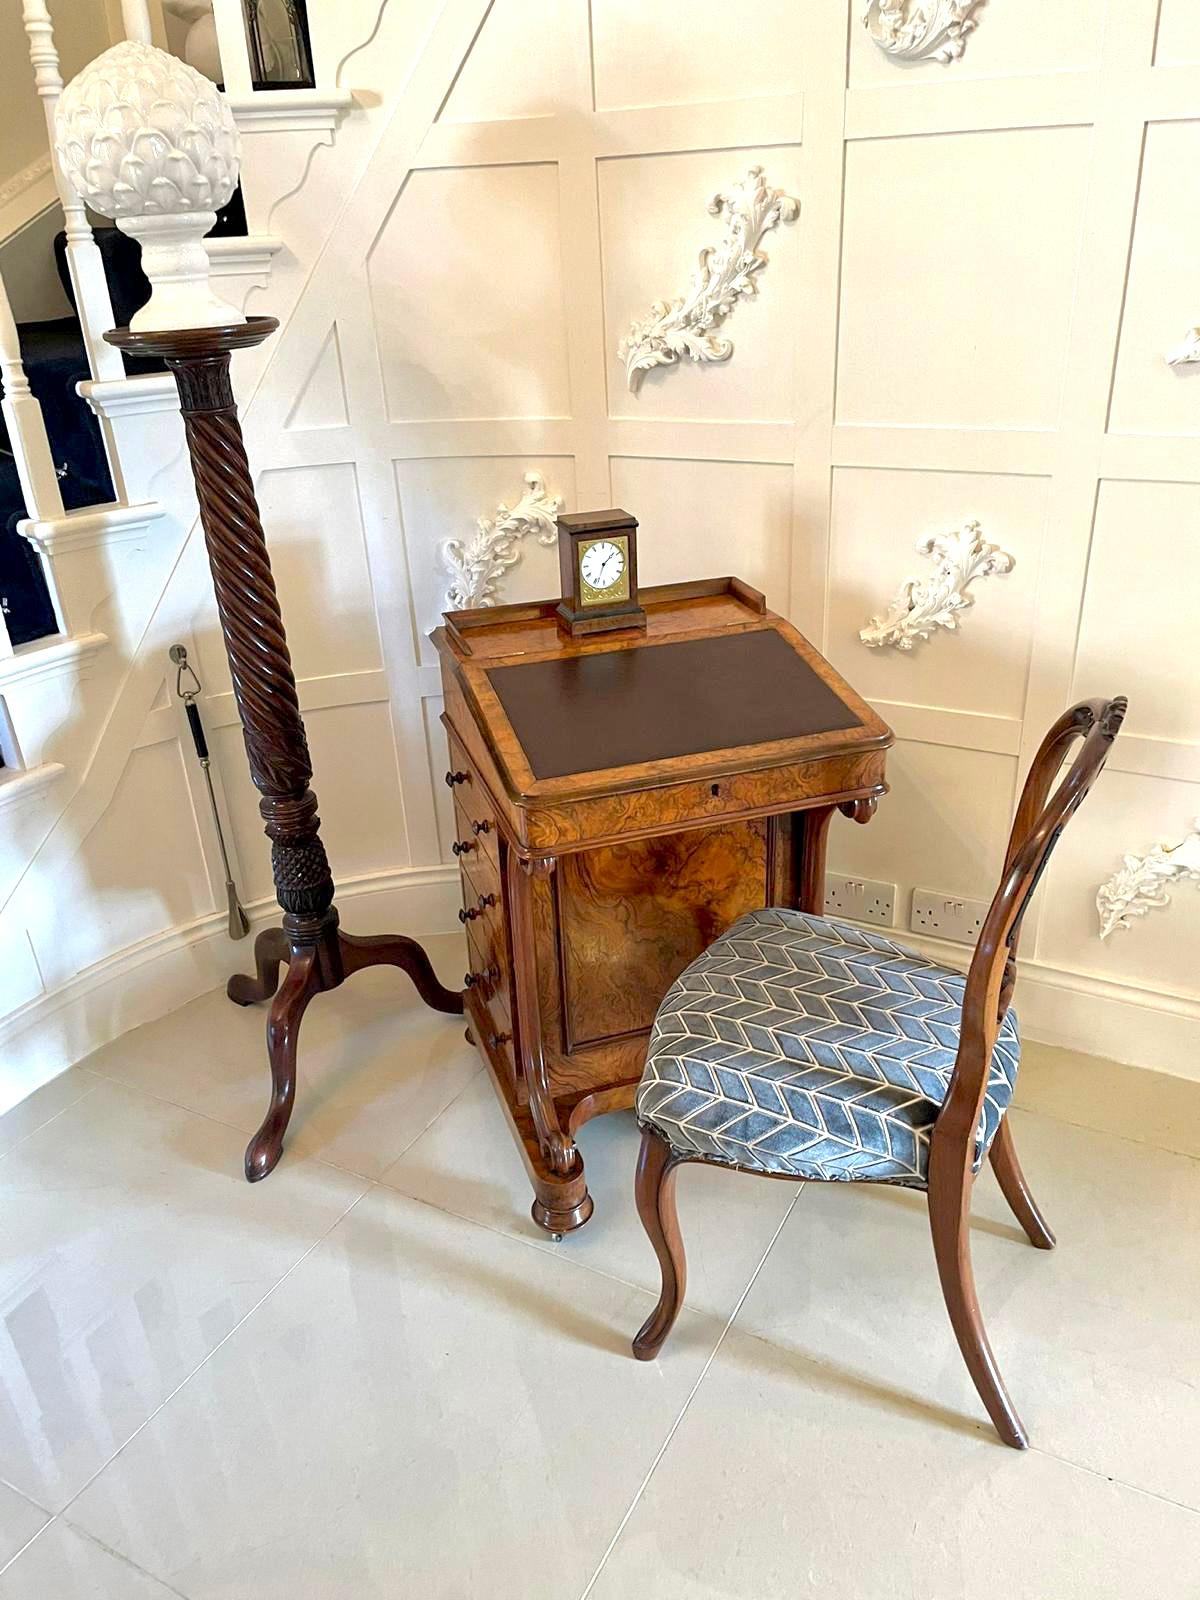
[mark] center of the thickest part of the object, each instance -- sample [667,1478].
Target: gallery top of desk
[718,708]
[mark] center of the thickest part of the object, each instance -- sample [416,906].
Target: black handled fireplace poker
[239,922]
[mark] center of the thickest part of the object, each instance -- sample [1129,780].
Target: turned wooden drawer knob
[480,827]
[490,976]
[456,777]
[461,846]
[497,1039]
[469,916]
[486,900]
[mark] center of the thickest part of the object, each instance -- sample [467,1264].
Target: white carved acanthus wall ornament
[1140,883]
[478,564]
[1187,351]
[926,604]
[921,30]
[686,326]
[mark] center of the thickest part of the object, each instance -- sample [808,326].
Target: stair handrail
[93,303]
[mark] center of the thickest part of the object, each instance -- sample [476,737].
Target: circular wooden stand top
[182,344]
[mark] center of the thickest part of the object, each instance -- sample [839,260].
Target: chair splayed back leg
[799,1047]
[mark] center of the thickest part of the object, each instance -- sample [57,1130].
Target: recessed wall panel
[1178,42]
[1125,813]
[466,290]
[443,498]
[1141,608]
[654,223]
[706,519]
[678,51]
[879,517]
[943,826]
[1162,299]
[1010,40]
[355,778]
[503,78]
[959,264]
[140,871]
[318,554]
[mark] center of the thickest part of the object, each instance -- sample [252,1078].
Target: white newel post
[92,301]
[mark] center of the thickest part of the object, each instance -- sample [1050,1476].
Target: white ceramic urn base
[176,262]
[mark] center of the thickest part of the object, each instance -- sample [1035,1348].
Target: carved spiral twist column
[263,681]
[318,955]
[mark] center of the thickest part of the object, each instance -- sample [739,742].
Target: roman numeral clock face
[604,571]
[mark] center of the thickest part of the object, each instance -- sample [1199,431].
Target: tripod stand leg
[271,950]
[283,1028]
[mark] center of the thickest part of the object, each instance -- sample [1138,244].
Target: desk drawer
[476,834]
[483,917]
[738,794]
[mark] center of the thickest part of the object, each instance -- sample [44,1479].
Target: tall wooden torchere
[318,955]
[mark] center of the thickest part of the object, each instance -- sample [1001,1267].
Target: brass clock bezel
[618,592]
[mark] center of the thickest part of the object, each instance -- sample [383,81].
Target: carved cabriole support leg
[318,956]
[557,1148]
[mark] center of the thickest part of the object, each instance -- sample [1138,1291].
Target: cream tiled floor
[370,1376]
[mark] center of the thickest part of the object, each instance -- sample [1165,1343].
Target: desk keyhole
[716,789]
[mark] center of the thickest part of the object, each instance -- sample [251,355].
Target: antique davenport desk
[619,801]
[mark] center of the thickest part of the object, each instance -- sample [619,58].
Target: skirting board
[1096,1016]
[1092,1015]
[146,981]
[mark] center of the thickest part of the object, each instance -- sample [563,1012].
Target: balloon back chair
[799,1047]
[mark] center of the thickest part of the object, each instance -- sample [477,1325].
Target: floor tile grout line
[33,1538]
[1108,1133]
[686,1406]
[91,1089]
[90,1538]
[1110,1477]
[220,1122]
[36,1504]
[555,1253]
[240,1323]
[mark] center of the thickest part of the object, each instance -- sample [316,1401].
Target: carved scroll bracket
[921,30]
[1140,884]
[478,564]
[925,604]
[727,272]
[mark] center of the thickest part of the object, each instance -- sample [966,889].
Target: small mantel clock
[597,560]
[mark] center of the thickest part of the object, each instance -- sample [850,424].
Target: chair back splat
[1040,819]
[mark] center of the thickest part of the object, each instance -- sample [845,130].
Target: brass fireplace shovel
[239,922]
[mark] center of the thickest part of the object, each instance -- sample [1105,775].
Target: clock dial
[602,565]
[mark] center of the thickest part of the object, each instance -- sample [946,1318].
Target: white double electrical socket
[860,899]
[947,916]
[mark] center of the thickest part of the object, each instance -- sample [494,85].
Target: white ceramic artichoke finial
[145,139]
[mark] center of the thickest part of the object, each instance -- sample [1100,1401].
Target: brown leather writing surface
[617,708]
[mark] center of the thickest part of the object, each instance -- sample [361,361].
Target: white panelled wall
[968,321]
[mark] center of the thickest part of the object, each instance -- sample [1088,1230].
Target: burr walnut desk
[619,801]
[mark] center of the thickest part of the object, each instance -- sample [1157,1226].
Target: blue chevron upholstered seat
[800,1045]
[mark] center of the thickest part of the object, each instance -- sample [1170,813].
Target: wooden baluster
[92,301]
[135,16]
[26,436]
[26,428]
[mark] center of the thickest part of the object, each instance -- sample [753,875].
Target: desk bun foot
[556,1211]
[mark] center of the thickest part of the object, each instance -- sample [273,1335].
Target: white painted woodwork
[25,425]
[990,255]
[92,300]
